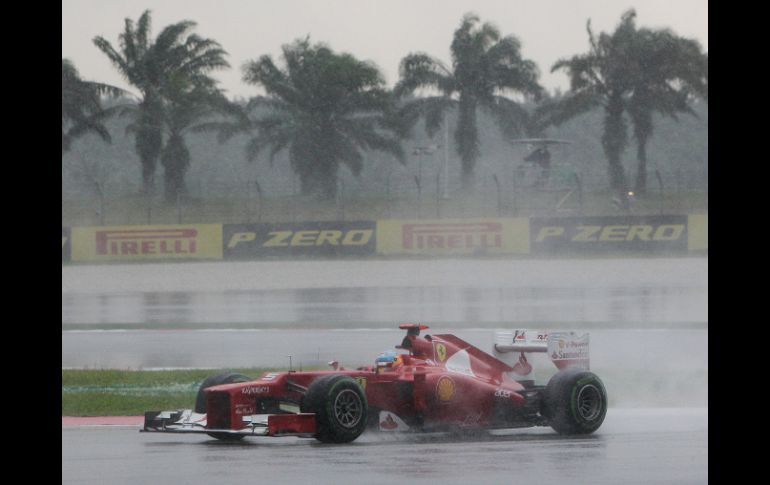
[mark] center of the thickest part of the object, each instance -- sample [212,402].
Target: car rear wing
[564,349]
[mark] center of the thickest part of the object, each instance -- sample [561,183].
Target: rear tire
[340,407]
[575,402]
[200,399]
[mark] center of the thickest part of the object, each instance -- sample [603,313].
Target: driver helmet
[386,358]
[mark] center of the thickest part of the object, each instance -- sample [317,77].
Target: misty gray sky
[381,31]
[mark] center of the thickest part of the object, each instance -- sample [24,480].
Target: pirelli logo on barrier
[132,243]
[438,237]
[65,244]
[329,238]
[608,234]
[453,236]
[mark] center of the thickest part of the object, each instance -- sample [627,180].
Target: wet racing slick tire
[340,407]
[200,399]
[575,402]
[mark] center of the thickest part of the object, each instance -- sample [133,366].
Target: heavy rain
[279,185]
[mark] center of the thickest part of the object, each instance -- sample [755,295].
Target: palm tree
[150,66]
[601,78]
[325,108]
[670,70]
[485,66]
[81,106]
[630,73]
[187,108]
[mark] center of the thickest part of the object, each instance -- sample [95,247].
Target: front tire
[340,408]
[575,402]
[200,399]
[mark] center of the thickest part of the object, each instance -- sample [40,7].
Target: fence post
[101,206]
[178,207]
[513,191]
[259,197]
[419,196]
[341,201]
[497,185]
[294,201]
[579,186]
[438,195]
[388,202]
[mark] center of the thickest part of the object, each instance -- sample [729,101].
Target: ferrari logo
[441,352]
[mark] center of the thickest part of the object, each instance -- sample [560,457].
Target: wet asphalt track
[621,292]
[651,445]
[634,446]
[665,349]
[256,314]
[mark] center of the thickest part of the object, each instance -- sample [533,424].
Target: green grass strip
[111,392]
[108,392]
[110,404]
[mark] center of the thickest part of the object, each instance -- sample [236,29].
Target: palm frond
[566,108]
[512,118]
[142,34]
[117,60]
[421,70]
[171,35]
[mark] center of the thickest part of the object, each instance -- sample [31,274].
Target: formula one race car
[439,383]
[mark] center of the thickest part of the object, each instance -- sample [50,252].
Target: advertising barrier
[453,236]
[138,243]
[698,232]
[609,234]
[325,239]
[65,244]
[672,234]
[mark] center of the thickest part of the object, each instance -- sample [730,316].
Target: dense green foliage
[81,106]
[484,66]
[678,150]
[171,74]
[329,125]
[630,73]
[324,108]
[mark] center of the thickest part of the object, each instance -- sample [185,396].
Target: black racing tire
[340,406]
[200,399]
[575,402]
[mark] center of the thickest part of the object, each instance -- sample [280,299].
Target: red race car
[437,383]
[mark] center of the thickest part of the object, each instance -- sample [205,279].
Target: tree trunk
[175,160]
[614,142]
[322,185]
[467,139]
[148,177]
[149,142]
[641,116]
[641,169]
[467,179]
[318,177]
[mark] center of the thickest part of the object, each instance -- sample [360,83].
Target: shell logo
[445,389]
